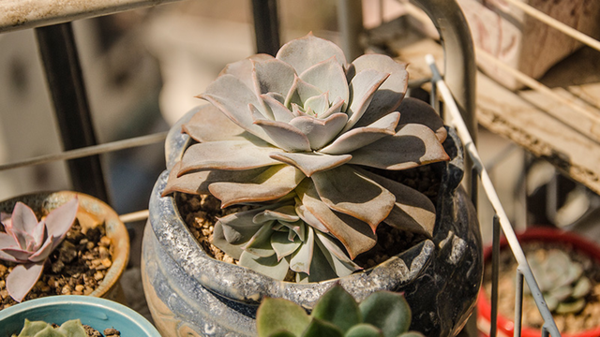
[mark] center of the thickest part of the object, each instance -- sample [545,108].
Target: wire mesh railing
[500,220]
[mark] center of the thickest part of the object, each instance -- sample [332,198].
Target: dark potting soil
[200,213]
[76,267]
[588,318]
[110,332]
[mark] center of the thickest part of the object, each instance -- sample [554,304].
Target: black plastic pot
[190,292]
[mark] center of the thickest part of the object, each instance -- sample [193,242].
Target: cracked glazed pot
[192,294]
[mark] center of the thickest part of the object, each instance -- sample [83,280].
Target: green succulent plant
[305,125]
[72,328]
[382,314]
[561,280]
[273,239]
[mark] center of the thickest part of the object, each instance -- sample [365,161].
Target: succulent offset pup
[28,243]
[304,131]
[282,241]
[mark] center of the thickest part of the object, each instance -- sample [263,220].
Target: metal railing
[500,221]
[51,21]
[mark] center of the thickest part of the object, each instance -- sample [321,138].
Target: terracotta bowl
[96,211]
[543,234]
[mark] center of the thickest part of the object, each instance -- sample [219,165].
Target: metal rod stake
[266,26]
[351,26]
[518,303]
[495,274]
[65,82]
[433,97]
[473,186]
[545,332]
[488,187]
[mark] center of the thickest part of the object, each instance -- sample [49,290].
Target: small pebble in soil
[111,332]
[91,332]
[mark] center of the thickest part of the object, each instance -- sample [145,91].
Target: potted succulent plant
[60,243]
[567,270]
[294,169]
[29,242]
[382,314]
[32,318]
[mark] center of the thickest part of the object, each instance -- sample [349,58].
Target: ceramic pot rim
[217,276]
[97,303]
[115,229]
[506,325]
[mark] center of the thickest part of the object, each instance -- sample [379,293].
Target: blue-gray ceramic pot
[99,313]
[192,294]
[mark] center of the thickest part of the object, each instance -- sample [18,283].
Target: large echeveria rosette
[306,125]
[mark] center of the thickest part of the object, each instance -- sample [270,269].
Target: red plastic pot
[506,325]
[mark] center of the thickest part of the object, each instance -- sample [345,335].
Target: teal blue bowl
[99,313]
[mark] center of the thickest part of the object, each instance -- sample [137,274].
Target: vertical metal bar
[433,98]
[473,186]
[518,303]
[521,211]
[65,82]
[266,26]
[523,269]
[545,332]
[495,274]
[459,59]
[552,198]
[351,26]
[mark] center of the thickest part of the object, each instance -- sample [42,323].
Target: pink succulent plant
[28,242]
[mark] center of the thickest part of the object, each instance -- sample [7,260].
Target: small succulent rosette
[562,280]
[307,126]
[29,242]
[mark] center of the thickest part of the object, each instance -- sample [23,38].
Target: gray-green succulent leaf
[382,314]
[276,315]
[307,123]
[561,280]
[364,330]
[273,239]
[71,328]
[387,311]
